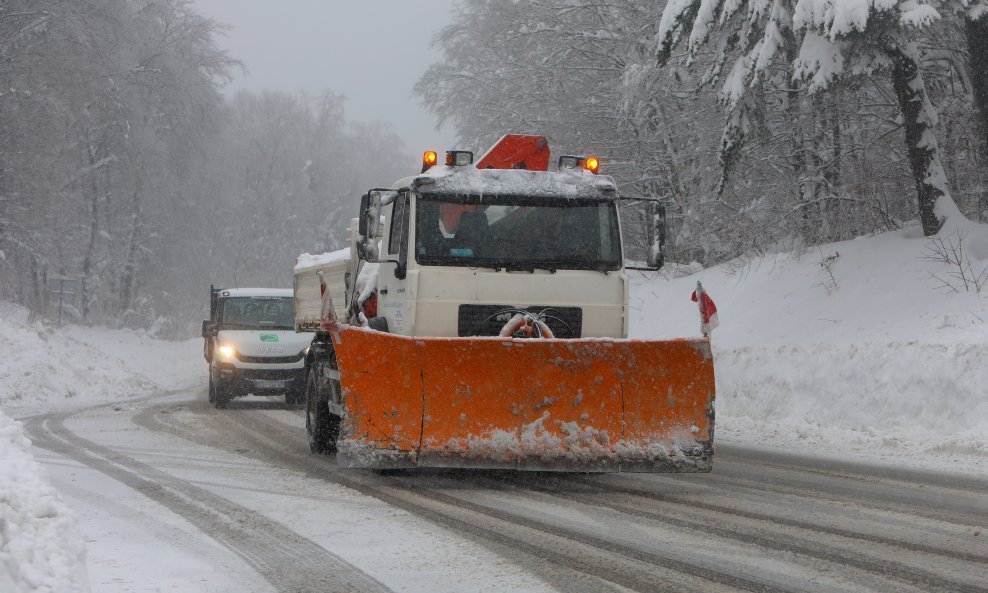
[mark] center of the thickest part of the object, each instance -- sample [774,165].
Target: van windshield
[257,313]
[517,233]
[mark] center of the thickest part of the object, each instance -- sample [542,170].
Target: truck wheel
[212,390]
[378,324]
[322,427]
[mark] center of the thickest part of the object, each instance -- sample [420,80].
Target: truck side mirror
[207,328]
[370,224]
[362,217]
[656,234]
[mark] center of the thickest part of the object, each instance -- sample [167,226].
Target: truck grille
[270,359]
[484,320]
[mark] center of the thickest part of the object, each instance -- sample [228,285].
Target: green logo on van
[269,337]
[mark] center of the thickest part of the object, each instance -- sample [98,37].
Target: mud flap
[596,405]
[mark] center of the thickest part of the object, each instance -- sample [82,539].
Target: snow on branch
[820,62]
[88,170]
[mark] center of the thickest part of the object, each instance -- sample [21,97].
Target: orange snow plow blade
[569,405]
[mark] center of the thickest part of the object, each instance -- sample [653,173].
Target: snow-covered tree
[976,30]
[823,41]
[580,72]
[123,167]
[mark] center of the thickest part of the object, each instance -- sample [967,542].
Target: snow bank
[41,549]
[45,368]
[871,347]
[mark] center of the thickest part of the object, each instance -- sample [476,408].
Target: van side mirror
[207,328]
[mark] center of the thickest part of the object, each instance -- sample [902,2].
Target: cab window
[399,219]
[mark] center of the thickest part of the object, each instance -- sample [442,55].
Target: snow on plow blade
[602,405]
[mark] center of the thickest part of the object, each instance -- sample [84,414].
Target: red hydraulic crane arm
[517,151]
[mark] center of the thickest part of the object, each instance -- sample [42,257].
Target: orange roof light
[593,164]
[430,158]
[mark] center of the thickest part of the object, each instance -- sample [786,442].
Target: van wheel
[322,427]
[218,396]
[295,396]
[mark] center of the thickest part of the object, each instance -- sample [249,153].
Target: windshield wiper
[583,264]
[531,267]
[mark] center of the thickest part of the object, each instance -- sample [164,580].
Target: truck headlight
[227,352]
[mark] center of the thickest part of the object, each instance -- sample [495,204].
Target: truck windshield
[517,233]
[257,313]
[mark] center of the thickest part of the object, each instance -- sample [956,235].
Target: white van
[251,345]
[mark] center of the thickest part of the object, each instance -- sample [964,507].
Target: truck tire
[212,390]
[378,324]
[322,427]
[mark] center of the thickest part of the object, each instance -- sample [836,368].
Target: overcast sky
[372,51]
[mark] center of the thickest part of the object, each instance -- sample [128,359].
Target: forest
[765,125]
[130,182]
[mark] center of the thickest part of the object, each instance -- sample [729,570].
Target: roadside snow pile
[874,347]
[45,368]
[41,549]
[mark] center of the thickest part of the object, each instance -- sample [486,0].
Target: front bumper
[240,381]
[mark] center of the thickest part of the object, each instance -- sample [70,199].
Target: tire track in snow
[956,553]
[521,537]
[286,560]
[158,528]
[586,571]
[894,572]
[856,557]
[955,499]
[569,548]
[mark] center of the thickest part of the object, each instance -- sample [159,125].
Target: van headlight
[227,352]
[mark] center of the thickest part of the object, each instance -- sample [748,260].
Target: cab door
[392,302]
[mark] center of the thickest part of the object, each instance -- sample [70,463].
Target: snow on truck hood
[515,182]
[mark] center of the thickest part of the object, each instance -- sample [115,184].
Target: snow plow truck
[479,318]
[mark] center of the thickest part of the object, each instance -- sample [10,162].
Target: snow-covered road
[178,496]
[881,372]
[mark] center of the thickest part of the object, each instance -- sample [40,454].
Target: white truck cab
[457,252]
[251,345]
[456,258]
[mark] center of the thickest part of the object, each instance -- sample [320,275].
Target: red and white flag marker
[708,310]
